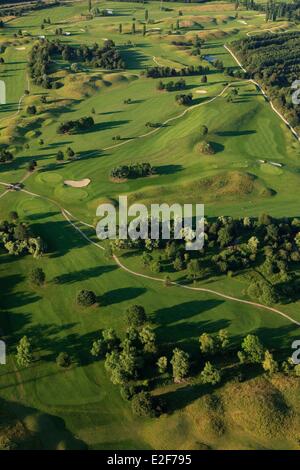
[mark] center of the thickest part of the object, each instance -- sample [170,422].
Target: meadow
[79,407]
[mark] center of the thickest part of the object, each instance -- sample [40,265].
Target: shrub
[86,298]
[142,404]
[37,276]
[206,148]
[63,360]
[136,316]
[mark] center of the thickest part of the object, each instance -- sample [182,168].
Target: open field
[79,406]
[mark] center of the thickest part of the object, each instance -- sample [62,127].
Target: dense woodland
[266,251]
[273,10]
[44,53]
[161,72]
[274,61]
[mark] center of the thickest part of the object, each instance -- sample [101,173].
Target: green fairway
[79,406]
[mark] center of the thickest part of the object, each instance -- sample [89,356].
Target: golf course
[96,94]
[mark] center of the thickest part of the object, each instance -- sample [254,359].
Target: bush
[63,360]
[142,404]
[128,391]
[206,148]
[37,276]
[136,316]
[86,298]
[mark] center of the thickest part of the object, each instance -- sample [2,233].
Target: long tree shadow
[47,431]
[84,274]
[177,325]
[60,237]
[122,294]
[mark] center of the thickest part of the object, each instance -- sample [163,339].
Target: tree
[207,344]
[86,298]
[98,348]
[21,232]
[193,269]
[136,316]
[70,153]
[89,5]
[133,28]
[180,364]
[206,148]
[120,28]
[146,258]
[31,109]
[155,266]
[252,349]
[210,374]
[146,15]
[13,216]
[222,339]
[148,339]
[142,404]
[252,244]
[203,130]
[60,156]
[37,276]
[31,165]
[63,360]
[24,356]
[162,364]
[178,264]
[110,338]
[204,79]
[144,30]
[269,364]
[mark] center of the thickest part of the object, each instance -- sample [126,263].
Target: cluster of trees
[5,156]
[185,99]
[60,156]
[272,60]
[162,72]
[273,10]
[72,127]
[233,246]
[17,238]
[44,53]
[135,170]
[106,57]
[19,10]
[126,359]
[172,86]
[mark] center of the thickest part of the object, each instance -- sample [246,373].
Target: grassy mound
[259,408]
[49,178]
[68,194]
[226,185]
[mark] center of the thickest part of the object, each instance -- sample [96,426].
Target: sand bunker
[78,184]
[20,48]
[202,92]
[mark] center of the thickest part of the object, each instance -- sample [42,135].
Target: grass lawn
[79,406]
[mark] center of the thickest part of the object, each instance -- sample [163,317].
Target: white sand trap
[20,48]
[78,184]
[201,92]
[242,21]
[104,39]
[83,30]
